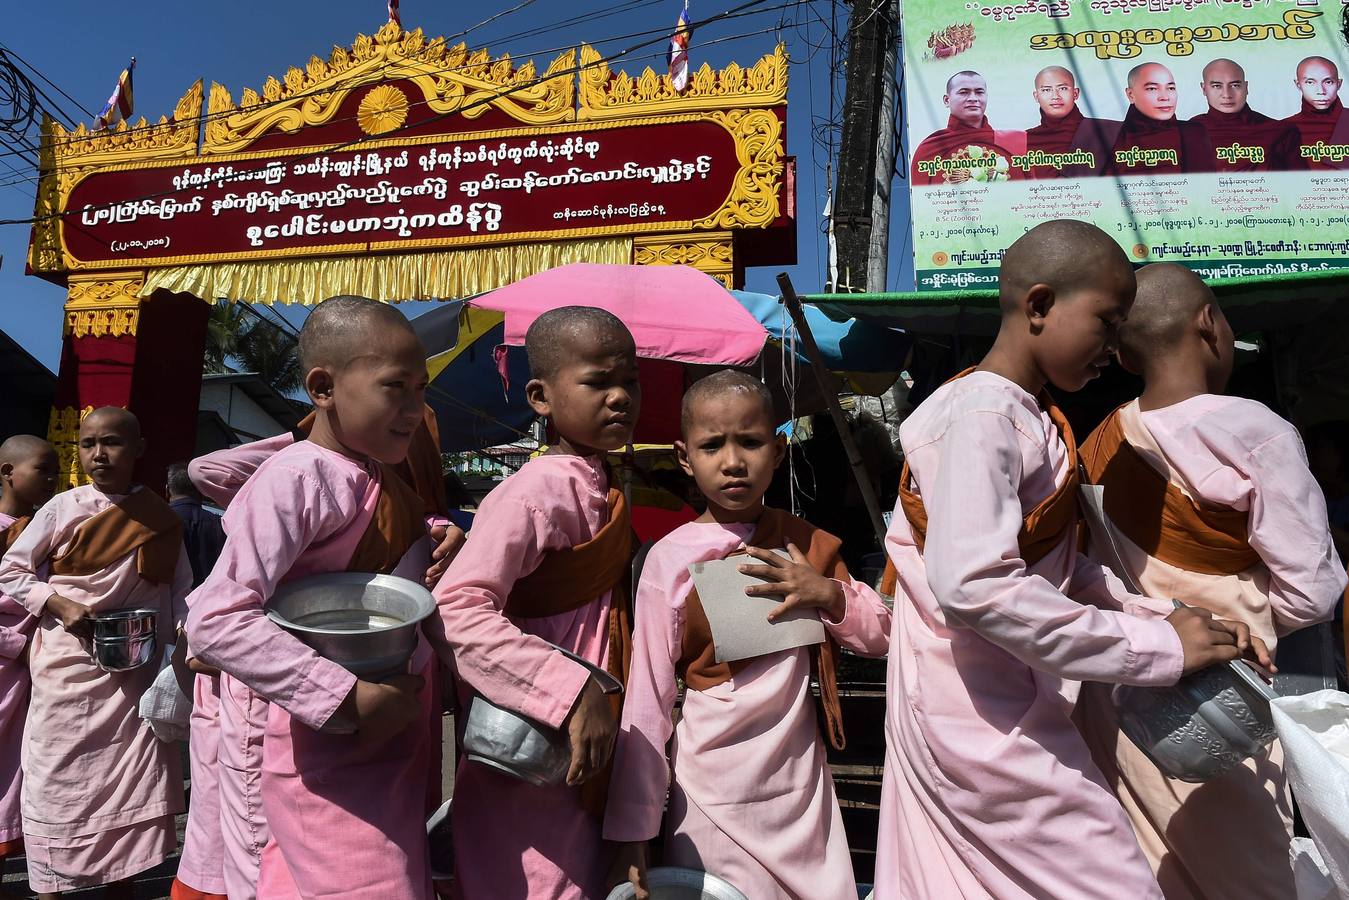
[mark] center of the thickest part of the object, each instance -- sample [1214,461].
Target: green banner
[1206,132]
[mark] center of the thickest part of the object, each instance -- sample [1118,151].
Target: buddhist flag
[120,103]
[393,13]
[679,51]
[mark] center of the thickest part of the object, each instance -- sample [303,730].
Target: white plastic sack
[1310,877]
[164,706]
[1314,731]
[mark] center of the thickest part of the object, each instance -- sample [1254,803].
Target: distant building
[237,408]
[26,401]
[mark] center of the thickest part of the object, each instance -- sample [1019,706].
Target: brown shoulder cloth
[141,522]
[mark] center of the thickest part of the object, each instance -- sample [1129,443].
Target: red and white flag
[679,51]
[393,13]
[120,104]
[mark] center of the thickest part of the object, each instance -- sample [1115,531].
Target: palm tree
[237,334]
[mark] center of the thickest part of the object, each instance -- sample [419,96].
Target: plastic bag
[1314,731]
[164,706]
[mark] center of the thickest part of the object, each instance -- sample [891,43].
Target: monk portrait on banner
[1153,141]
[1243,139]
[968,148]
[1322,127]
[1070,144]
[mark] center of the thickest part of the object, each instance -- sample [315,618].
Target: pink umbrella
[674,312]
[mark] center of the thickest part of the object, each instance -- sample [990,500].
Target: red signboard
[422,192]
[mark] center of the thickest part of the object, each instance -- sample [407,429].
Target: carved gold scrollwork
[759,148]
[169,137]
[63,433]
[451,78]
[608,95]
[103,307]
[710,252]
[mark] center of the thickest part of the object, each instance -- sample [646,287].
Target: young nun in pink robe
[752,799]
[1256,547]
[28,467]
[989,790]
[344,811]
[513,839]
[227,828]
[99,789]
[16,627]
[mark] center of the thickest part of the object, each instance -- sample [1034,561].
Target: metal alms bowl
[1204,726]
[124,623]
[365,623]
[677,883]
[519,745]
[124,653]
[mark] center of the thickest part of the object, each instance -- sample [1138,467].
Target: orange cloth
[568,579]
[1158,516]
[396,525]
[698,664]
[180,891]
[11,534]
[1043,527]
[141,522]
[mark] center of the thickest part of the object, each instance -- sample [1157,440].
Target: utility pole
[866,160]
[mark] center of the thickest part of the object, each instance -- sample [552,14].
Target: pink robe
[202,864]
[99,789]
[344,821]
[989,790]
[512,839]
[753,800]
[1228,837]
[16,626]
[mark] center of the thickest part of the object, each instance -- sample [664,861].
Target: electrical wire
[662,32]
[408,126]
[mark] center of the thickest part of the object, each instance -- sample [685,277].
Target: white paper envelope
[740,626]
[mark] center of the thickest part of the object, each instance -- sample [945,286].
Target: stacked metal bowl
[124,639]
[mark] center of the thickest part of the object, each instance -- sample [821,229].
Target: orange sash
[140,522]
[11,534]
[698,664]
[1158,516]
[397,524]
[570,578]
[1042,529]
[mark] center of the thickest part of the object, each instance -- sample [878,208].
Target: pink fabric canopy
[674,312]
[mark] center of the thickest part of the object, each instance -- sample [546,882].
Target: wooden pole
[873,504]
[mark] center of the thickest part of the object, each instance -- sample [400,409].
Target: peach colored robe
[344,822]
[16,627]
[99,789]
[752,798]
[989,789]
[512,839]
[1228,837]
[202,863]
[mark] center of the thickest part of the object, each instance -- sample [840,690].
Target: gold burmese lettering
[1129,43]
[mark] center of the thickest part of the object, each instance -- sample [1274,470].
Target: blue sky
[82,45]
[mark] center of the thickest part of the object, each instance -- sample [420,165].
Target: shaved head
[1224,70]
[343,328]
[1064,254]
[22,447]
[968,73]
[555,336]
[1319,80]
[1169,298]
[1054,75]
[727,382]
[1317,65]
[1152,91]
[115,418]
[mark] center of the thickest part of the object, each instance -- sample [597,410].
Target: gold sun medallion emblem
[383,109]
